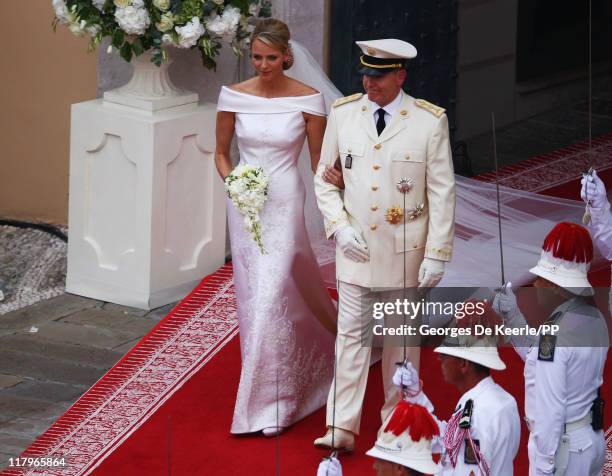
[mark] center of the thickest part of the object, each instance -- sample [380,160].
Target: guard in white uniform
[393,150]
[593,192]
[563,370]
[483,434]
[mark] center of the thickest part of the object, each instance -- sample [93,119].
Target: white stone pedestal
[146,208]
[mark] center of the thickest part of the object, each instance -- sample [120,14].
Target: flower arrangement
[247,187]
[136,26]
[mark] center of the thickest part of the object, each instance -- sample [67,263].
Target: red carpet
[166,407]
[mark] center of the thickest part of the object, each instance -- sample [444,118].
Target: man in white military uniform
[563,372]
[593,192]
[392,148]
[483,434]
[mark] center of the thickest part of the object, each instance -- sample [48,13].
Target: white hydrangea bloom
[225,24]
[231,16]
[190,33]
[62,12]
[133,20]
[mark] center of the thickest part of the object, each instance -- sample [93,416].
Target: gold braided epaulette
[429,107]
[344,100]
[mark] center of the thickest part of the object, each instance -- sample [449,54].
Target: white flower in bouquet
[163,5]
[190,33]
[132,19]
[247,187]
[166,23]
[225,24]
[122,3]
[62,13]
[99,4]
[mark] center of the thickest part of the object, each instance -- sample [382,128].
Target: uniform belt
[570,426]
[576,425]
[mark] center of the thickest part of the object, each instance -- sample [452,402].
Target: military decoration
[394,215]
[415,212]
[405,184]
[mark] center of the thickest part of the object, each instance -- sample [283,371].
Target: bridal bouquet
[136,26]
[247,187]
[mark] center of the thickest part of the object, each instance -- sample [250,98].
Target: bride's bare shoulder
[298,88]
[244,86]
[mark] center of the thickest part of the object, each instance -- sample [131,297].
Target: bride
[286,317]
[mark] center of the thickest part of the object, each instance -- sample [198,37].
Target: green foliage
[126,51]
[189,9]
[137,47]
[242,4]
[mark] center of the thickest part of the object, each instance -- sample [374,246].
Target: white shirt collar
[389,108]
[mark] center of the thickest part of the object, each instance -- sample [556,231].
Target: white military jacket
[413,146]
[561,388]
[495,424]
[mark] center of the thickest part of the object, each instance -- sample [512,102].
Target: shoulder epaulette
[344,100]
[429,107]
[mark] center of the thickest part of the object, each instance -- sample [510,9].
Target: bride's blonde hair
[275,34]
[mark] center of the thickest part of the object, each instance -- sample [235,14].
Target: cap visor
[366,71]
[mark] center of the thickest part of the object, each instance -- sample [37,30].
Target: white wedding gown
[287,351]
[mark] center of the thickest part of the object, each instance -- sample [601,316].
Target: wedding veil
[526,217]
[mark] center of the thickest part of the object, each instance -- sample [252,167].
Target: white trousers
[353,352]
[587,453]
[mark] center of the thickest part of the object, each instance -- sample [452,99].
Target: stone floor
[51,353]
[76,340]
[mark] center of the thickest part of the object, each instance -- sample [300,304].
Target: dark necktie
[380,123]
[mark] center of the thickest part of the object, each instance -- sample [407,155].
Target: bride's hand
[333,176]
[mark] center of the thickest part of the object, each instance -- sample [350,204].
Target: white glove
[593,190]
[505,302]
[406,378]
[330,467]
[430,272]
[351,244]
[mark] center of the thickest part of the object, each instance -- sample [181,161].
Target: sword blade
[499,224]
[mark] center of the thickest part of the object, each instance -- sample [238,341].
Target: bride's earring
[289,61]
